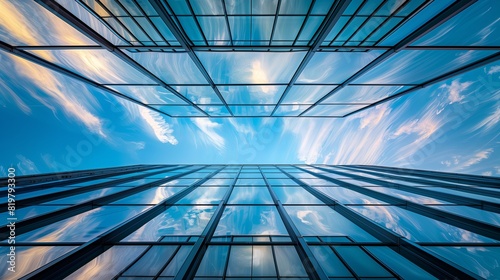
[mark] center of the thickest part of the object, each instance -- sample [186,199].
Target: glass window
[28,212]
[403,267]
[479,22]
[252,111]
[177,261]
[330,263]
[288,262]
[199,94]
[347,196]
[208,195]
[322,220]
[240,261]
[28,23]
[306,94]
[363,94]
[421,199]
[481,260]
[151,262]
[297,195]
[108,264]
[30,258]
[176,220]
[82,227]
[180,111]
[250,220]
[150,196]
[251,94]
[290,110]
[361,263]
[86,196]
[410,225]
[464,194]
[333,110]
[250,195]
[213,261]
[150,94]
[472,213]
[251,182]
[251,67]
[173,68]
[418,66]
[335,67]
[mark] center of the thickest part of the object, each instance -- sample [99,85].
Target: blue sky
[51,122]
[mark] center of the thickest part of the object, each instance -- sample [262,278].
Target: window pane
[240,261]
[288,261]
[251,94]
[306,94]
[250,195]
[363,94]
[251,67]
[418,66]
[410,225]
[108,264]
[263,261]
[176,220]
[151,263]
[30,258]
[330,263]
[335,67]
[362,264]
[480,260]
[208,195]
[213,261]
[82,227]
[175,264]
[150,95]
[250,220]
[295,195]
[322,220]
[97,65]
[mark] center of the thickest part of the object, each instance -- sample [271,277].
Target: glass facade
[254,222]
[255,58]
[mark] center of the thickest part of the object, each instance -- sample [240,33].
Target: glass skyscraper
[254,221]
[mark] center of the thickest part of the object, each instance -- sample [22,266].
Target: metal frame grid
[211,253]
[168,30]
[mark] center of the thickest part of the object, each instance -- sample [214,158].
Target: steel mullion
[35,222]
[310,263]
[226,18]
[117,20]
[490,182]
[193,260]
[40,61]
[65,193]
[68,181]
[427,260]
[469,189]
[183,40]
[47,177]
[306,18]
[75,22]
[492,58]
[351,18]
[129,15]
[101,19]
[472,225]
[368,18]
[274,22]
[328,23]
[195,17]
[147,17]
[436,21]
[70,262]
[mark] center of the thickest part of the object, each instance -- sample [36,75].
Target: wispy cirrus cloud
[160,128]
[208,134]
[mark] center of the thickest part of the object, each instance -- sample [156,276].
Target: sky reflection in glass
[250,220]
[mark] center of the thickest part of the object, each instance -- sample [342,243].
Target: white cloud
[476,158]
[494,69]
[489,122]
[160,127]
[208,133]
[26,166]
[487,173]
[455,89]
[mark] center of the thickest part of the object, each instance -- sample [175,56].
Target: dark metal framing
[64,266]
[441,268]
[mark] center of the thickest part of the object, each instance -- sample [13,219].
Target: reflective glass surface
[250,220]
